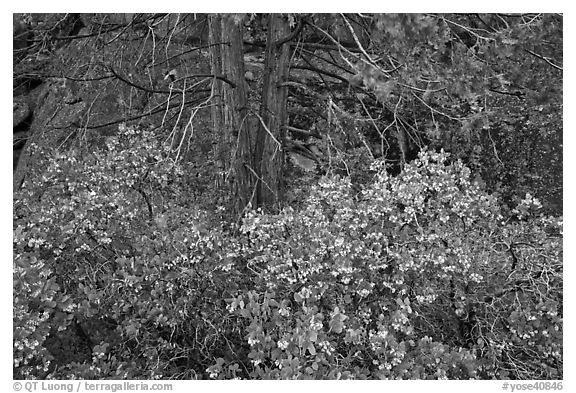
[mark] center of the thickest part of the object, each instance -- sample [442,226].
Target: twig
[341,48]
[517,94]
[302,132]
[437,111]
[173,133]
[421,90]
[267,129]
[192,115]
[319,71]
[546,59]
[468,30]
[260,179]
[121,32]
[494,147]
[128,82]
[158,109]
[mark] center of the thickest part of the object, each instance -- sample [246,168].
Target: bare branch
[320,71]
[546,59]
[357,41]
[302,132]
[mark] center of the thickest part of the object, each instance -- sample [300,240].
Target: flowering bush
[110,244]
[415,276]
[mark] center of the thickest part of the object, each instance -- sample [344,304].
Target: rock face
[36,98]
[20,112]
[22,117]
[52,111]
[59,111]
[53,122]
[21,37]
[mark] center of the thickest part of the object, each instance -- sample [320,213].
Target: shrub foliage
[421,275]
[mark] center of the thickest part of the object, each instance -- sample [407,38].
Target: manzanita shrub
[110,243]
[416,276]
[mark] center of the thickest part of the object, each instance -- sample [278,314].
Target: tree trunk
[229,116]
[268,155]
[221,139]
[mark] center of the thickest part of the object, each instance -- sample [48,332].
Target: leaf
[337,322]
[311,349]
[336,326]
[313,336]
[303,162]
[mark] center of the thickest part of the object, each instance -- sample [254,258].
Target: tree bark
[230,112]
[268,155]
[222,141]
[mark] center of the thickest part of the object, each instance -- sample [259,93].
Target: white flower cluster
[326,347]
[284,311]
[283,344]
